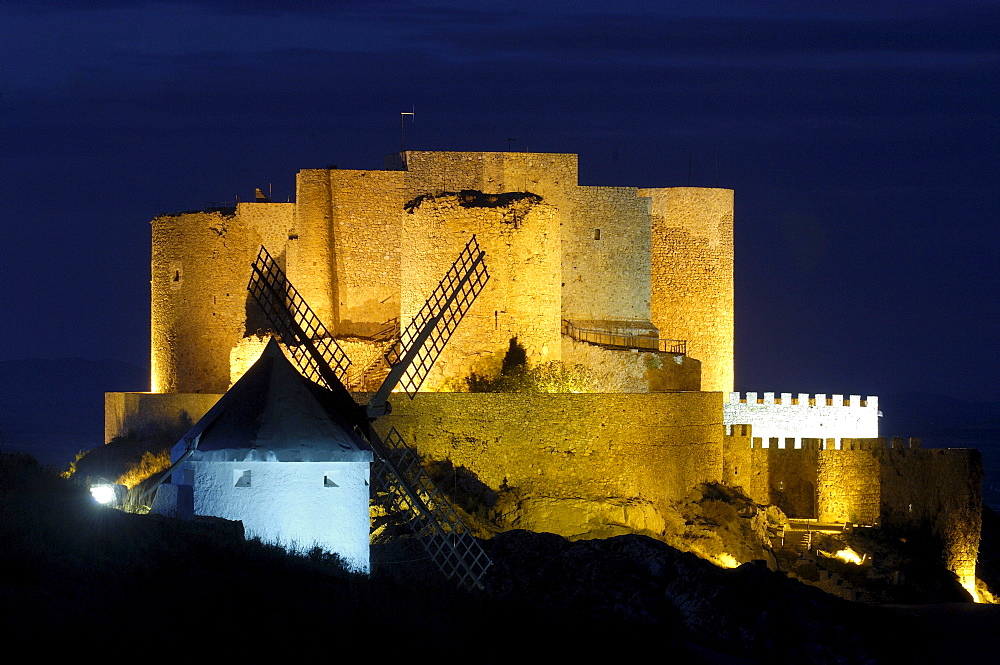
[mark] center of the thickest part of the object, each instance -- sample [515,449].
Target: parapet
[808,443]
[881,443]
[804,399]
[739,430]
[789,418]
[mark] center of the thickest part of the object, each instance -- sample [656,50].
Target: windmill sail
[441,531]
[422,341]
[398,473]
[308,341]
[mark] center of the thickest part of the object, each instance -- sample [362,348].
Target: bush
[516,377]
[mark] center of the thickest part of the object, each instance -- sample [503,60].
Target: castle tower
[692,275]
[198,288]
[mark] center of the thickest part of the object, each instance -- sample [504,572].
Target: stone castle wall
[692,275]
[309,252]
[937,491]
[597,464]
[893,483]
[577,463]
[199,273]
[139,414]
[521,300]
[741,467]
[550,175]
[628,371]
[348,247]
[849,488]
[594,255]
[606,247]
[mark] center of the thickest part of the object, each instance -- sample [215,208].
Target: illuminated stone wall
[627,371]
[811,416]
[866,481]
[136,414]
[550,175]
[522,298]
[598,464]
[692,275]
[849,484]
[344,258]
[606,249]
[271,223]
[742,466]
[200,266]
[545,258]
[937,491]
[792,478]
[578,463]
[787,477]
[890,482]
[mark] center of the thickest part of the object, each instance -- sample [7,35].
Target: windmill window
[328,482]
[241,478]
[187,477]
[597,234]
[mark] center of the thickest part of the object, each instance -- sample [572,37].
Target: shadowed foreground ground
[78,574]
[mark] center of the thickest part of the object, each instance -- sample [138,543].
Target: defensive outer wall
[892,483]
[593,465]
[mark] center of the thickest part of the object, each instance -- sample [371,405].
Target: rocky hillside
[78,573]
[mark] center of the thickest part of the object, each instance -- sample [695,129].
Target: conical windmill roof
[273,413]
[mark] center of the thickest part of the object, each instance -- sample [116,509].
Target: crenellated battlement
[890,481]
[739,430]
[790,418]
[792,444]
[804,399]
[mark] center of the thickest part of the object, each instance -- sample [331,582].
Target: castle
[622,299]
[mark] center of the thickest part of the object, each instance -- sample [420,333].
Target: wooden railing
[677,347]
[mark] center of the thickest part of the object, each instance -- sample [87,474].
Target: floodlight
[103,493]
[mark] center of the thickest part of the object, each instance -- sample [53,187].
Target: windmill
[398,472]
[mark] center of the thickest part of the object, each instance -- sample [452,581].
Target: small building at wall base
[273,454]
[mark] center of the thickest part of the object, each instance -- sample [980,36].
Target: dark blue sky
[863,145]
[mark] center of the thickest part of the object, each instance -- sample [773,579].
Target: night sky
[863,144]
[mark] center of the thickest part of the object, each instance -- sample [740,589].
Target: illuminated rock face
[366,247]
